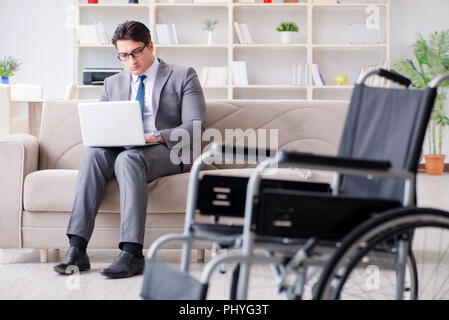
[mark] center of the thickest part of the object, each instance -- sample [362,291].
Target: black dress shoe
[74,257]
[126,265]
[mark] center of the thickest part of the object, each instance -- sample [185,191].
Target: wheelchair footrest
[163,281]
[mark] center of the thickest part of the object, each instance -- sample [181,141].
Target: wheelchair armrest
[247,153]
[310,159]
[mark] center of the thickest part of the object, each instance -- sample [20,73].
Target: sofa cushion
[53,190]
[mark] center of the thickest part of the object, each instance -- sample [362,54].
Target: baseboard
[422,167]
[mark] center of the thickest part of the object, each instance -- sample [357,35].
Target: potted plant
[432,59]
[209,26]
[8,67]
[286,29]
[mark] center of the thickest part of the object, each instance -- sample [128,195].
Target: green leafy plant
[210,24]
[431,60]
[287,26]
[8,66]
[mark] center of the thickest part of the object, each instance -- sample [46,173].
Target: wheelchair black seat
[223,234]
[304,214]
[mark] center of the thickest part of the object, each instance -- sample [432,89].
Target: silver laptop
[111,124]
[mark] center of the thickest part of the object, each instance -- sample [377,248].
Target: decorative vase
[209,37]
[286,37]
[434,164]
[5,80]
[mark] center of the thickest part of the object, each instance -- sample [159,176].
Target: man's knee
[128,158]
[95,157]
[95,154]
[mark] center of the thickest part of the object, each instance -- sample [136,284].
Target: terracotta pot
[434,164]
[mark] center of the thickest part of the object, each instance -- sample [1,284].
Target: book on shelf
[245,32]
[239,73]
[244,36]
[173,34]
[361,1]
[325,1]
[214,76]
[316,75]
[83,35]
[238,32]
[300,74]
[102,34]
[242,33]
[374,81]
[294,74]
[93,35]
[210,1]
[306,74]
[166,33]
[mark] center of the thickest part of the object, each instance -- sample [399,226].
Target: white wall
[37,33]
[409,17]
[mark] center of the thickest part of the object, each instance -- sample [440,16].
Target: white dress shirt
[148,117]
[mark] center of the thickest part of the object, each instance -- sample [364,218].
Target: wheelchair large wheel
[368,263]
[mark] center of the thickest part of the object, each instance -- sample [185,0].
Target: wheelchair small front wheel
[385,257]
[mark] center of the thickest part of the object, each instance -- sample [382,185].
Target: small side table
[34,115]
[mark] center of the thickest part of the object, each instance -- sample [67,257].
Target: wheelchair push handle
[396,77]
[243,151]
[439,80]
[393,76]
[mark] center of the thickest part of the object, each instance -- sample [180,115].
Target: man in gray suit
[171,98]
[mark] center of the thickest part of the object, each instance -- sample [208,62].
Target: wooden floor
[22,276]
[26,278]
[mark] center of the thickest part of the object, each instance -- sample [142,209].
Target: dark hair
[132,30]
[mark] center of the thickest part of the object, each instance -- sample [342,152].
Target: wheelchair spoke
[360,284]
[434,273]
[442,285]
[445,294]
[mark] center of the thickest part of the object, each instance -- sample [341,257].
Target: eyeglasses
[136,53]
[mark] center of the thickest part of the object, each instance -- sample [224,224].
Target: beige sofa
[38,175]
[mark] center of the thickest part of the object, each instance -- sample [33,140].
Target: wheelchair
[361,238]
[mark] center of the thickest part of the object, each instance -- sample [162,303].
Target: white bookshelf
[323,39]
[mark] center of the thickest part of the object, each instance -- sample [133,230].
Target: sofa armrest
[18,157]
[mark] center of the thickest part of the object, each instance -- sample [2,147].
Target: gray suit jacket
[178,99]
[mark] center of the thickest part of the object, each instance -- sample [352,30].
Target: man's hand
[151,138]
